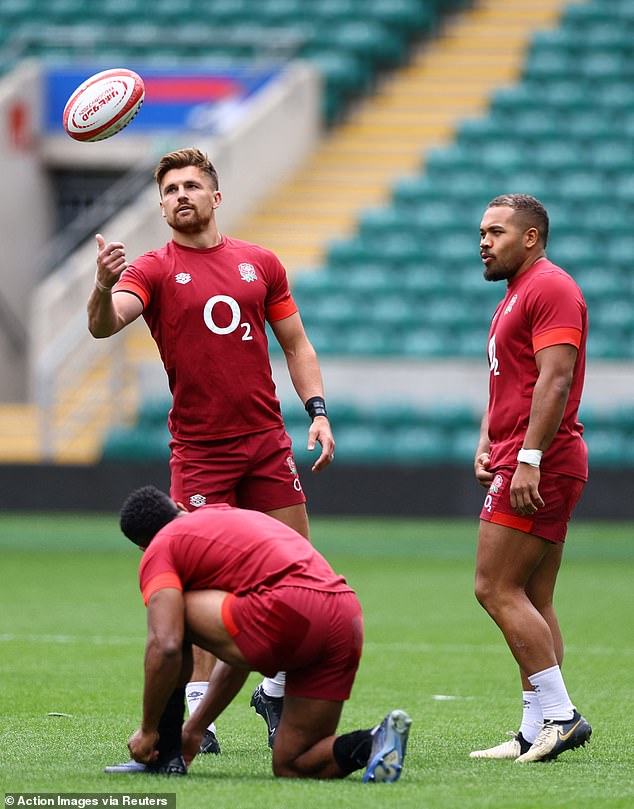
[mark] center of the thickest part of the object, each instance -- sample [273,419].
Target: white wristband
[532,457]
[102,287]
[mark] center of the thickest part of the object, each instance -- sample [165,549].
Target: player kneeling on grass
[257,595]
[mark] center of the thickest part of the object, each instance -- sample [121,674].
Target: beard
[498,272]
[194,223]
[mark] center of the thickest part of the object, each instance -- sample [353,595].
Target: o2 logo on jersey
[208,317]
[493,360]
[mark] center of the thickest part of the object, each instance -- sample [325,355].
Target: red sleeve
[160,582]
[278,289]
[137,279]
[157,570]
[128,285]
[278,311]
[555,311]
[556,337]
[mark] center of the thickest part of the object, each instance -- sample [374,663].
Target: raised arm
[108,313]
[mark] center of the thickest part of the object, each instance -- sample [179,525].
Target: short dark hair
[531,210]
[144,513]
[182,158]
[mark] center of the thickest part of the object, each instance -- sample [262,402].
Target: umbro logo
[197,500]
[183,278]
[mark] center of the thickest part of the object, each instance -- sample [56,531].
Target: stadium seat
[363,444]
[409,281]
[416,445]
[375,44]
[136,445]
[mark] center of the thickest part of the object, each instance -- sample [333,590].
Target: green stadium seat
[408,18]
[153,413]
[366,280]
[623,188]
[452,415]
[606,448]
[613,95]
[393,310]
[282,12]
[473,132]
[368,339]
[580,17]
[614,155]
[396,415]
[138,445]
[416,445]
[362,444]
[462,445]
[399,249]
[557,156]
[620,252]
[345,413]
[603,66]
[415,191]
[546,64]
[345,252]
[614,314]
[325,340]
[424,342]
[376,224]
[470,342]
[607,346]
[582,185]
[503,155]
[422,281]
[334,12]
[343,72]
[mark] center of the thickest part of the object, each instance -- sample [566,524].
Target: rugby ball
[104,104]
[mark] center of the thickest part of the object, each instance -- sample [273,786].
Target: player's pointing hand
[111,262]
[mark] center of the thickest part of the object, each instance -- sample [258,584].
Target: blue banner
[174,99]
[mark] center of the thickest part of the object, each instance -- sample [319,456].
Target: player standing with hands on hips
[532,457]
[205,298]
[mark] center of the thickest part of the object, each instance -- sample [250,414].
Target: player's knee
[283,768]
[482,590]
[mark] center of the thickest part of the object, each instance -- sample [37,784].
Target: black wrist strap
[316,406]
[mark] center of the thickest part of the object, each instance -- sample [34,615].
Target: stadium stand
[350,41]
[406,282]
[402,279]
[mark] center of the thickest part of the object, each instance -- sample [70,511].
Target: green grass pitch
[72,628]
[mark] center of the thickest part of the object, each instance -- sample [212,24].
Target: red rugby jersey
[219,547]
[206,309]
[542,307]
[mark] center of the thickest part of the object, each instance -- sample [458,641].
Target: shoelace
[546,734]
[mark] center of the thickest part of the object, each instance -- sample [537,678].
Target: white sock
[552,694]
[532,717]
[274,686]
[194,692]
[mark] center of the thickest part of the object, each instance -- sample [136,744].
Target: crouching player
[258,596]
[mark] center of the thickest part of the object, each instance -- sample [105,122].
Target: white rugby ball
[104,104]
